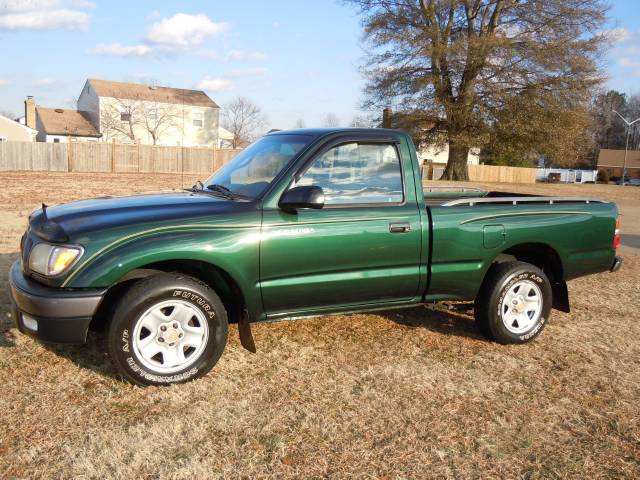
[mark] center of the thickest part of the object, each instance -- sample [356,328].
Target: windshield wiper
[225,192]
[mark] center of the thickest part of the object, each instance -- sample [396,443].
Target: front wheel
[169,328]
[514,302]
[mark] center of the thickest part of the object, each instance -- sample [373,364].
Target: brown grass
[409,393]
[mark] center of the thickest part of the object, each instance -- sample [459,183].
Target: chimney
[386,117]
[30,112]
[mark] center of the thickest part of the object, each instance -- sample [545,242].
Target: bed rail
[519,200]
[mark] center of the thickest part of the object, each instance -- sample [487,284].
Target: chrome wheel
[170,336]
[521,306]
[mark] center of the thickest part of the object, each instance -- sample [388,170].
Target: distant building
[225,138]
[60,125]
[131,113]
[613,162]
[12,131]
[439,155]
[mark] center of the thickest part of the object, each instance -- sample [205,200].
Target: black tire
[489,308]
[142,296]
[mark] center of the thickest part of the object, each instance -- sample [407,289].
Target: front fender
[234,250]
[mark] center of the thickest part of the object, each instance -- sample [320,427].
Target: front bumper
[52,314]
[617,263]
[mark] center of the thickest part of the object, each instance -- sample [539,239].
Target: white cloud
[118,50]
[236,55]
[82,4]
[249,72]
[13,6]
[184,30]
[214,84]
[628,62]
[4,82]
[619,35]
[43,82]
[44,14]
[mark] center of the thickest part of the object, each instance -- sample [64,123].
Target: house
[12,131]
[434,155]
[149,114]
[225,138]
[439,155]
[109,111]
[613,161]
[59,125]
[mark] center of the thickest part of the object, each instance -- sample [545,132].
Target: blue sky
[296,59]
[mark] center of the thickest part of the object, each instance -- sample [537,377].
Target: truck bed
[450,196]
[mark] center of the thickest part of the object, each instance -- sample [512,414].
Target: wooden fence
[487,173]
[110,157]
[495,173]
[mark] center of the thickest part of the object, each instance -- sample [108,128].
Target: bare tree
[8,114]
[121,118]
[331,120]
[459,63]
[126,118]
[244,119]
[300,123]
[360,121]
[158,118]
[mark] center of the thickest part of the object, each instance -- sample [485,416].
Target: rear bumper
[51,314]
[617,263]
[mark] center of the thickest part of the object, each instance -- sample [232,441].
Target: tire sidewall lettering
[139,370]
[532,276]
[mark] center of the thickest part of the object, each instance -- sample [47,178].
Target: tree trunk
[456,168]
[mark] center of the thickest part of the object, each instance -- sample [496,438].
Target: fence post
[70,155]
[138,155]
[113,155]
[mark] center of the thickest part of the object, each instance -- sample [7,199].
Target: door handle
[401,227]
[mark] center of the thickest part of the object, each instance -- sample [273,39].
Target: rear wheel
[168,328]
[514,302]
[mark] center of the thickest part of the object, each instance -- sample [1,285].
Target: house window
[3,139]
[125,116]
[198,119]
[56,140]
[152,113]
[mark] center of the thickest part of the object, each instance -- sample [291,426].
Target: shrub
[603,176]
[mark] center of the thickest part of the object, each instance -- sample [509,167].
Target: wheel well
[219,280]
[539,254]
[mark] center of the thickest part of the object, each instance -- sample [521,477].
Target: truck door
[363,247]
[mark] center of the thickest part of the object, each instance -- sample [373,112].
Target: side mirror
[302,197]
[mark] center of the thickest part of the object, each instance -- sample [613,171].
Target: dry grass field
[402,394]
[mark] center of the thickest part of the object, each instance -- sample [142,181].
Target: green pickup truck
[301,223]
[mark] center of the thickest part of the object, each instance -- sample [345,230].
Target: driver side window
[357,173]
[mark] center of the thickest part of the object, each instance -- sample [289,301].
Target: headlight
[52,260]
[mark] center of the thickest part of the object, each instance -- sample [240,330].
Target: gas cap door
[493,236]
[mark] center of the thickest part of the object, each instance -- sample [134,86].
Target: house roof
[137,91]
[609,158]
[58,121]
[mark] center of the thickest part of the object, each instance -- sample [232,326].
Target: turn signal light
[616,235]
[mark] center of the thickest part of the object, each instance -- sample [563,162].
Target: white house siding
[206,136]
[440,154]
[67,139]
[89,102]
[12,131]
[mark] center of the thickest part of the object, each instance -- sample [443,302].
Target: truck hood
[60,222]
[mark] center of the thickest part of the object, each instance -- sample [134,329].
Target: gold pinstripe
[194,227]
[519,214]
[144,232]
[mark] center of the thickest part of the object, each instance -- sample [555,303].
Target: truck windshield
[251,171]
